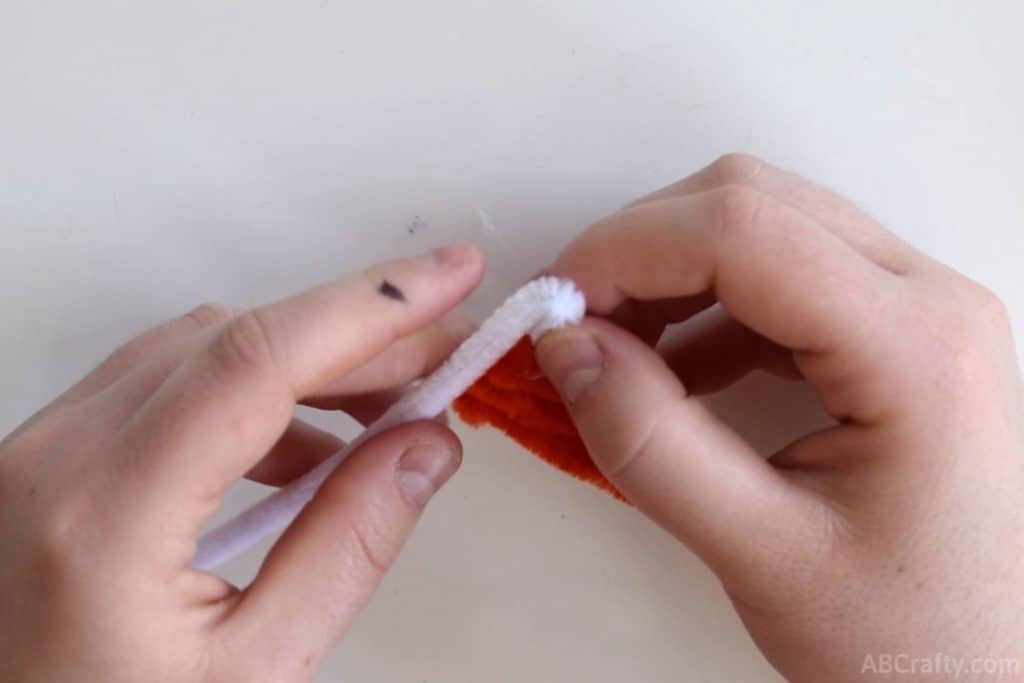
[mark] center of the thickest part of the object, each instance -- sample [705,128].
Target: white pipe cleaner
[538,306]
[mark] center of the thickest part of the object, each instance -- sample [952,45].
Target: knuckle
[638,449]
[738,208]
[964,321]
[371,547]
[736,168]
[210,314]
[976,312]
[988,306]
[244,344]
[133,351]
[61,529]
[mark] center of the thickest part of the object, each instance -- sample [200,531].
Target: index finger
[222,409]
[833,212]
[772,267]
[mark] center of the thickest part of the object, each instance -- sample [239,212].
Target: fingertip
[593,267]
[462,263]
[424,468]
[326,565]
[463,258]
[419,458]
[405,436]
[434,280]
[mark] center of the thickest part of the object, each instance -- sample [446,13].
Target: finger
[648,319]
[405,360]
[384,379]
[301,448]
[668,455]
[832,211]
[110,393]
[717,351]
[363,409]
[771,267]
[223,408]
[145,347]
[363,394]
[323,569]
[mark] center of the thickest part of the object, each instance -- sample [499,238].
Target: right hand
[898,530]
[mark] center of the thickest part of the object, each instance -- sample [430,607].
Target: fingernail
[423,469]
[452,257]
[572,360]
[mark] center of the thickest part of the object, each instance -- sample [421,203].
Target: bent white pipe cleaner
[539,306]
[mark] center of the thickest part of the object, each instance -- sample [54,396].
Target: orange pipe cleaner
[515,397]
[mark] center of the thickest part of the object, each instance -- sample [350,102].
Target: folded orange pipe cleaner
[515,397]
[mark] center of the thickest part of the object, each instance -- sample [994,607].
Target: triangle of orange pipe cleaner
[516,397]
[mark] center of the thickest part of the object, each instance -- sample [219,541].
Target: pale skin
[899,529]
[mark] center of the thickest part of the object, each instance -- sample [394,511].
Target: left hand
[103,491]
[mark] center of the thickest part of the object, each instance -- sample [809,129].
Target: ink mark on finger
[390,291]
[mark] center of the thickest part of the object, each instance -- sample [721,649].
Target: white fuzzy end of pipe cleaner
[538,306]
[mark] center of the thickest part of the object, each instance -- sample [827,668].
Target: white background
[155,155]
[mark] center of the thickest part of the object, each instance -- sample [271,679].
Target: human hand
[103,491]
[899,529]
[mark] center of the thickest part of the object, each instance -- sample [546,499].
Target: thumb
[324,568]
[668,454]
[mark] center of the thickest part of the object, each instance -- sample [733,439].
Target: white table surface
[155,155]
